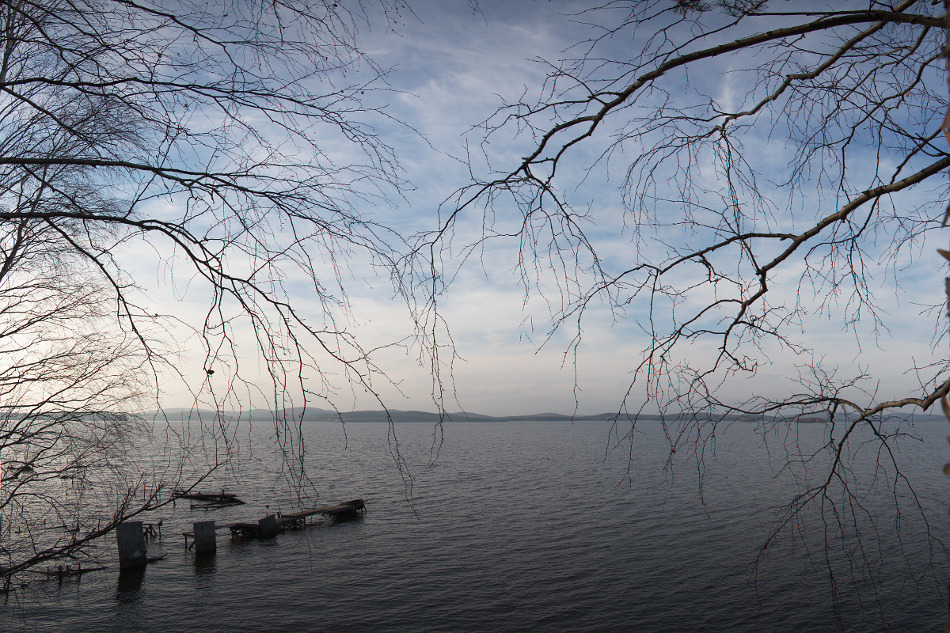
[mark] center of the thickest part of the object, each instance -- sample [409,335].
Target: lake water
[536,526]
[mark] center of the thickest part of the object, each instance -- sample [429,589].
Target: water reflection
[204,564]
[129,585]
[205,568]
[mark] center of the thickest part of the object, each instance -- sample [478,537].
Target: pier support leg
[205,544]
[131,540]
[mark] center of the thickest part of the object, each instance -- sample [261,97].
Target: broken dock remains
[208,500]
[130,537]
[60,571]
[274,524]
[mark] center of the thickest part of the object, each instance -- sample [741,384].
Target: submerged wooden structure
[273,524]
[59,571]
[209,499]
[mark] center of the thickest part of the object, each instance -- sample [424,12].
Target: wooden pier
[297,520]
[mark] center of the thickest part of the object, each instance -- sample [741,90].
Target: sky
[450,67]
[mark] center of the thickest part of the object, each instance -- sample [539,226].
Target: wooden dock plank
[295,520]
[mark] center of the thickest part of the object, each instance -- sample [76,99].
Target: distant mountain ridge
[313,414]
[325,415]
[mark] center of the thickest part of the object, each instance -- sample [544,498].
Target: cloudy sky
[450,67]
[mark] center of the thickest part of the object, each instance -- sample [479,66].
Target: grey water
[536,526]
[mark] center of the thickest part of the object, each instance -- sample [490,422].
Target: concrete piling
[205,543]
[131,539]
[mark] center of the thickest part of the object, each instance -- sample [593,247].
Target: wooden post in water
[205,544]
[131,540]
[269,526]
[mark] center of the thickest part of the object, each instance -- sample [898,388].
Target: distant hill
[324,415]
[312,414]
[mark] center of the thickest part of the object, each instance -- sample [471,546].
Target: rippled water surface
[523,527]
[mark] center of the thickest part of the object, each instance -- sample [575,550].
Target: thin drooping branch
[780,173]
[238,153]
